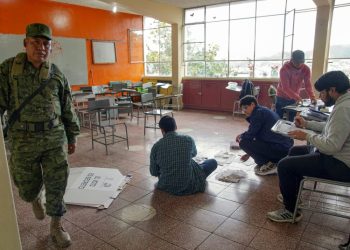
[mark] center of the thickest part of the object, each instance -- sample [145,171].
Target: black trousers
[300,162]
[262,152]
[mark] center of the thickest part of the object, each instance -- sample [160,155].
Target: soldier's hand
[71,148]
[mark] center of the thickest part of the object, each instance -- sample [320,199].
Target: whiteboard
[69,54]
[103,51]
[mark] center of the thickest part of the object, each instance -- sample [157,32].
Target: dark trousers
[301,162]
[280,104]
[208,166]
[262,152]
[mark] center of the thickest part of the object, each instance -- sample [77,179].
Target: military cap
[298,56]
[335,79]
[38,29]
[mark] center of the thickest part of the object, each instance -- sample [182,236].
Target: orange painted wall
[78,22]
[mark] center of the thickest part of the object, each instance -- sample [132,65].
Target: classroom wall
[79,22]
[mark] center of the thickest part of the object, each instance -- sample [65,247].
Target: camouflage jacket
[54,101]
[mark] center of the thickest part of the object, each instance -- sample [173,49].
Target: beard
[329,101]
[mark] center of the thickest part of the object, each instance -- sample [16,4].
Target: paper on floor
[94,187]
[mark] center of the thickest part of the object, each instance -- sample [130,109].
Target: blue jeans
[208,166]
[263,152]
[280,104]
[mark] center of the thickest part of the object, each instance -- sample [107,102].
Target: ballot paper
[283,127]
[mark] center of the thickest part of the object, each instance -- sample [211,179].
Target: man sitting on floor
[331,159]
[259,142]
[171,161]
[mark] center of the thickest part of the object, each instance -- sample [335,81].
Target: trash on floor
[94,187]
[231,175]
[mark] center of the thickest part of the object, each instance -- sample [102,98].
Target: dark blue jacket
[261,121]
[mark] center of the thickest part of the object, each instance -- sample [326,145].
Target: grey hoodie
[335,137]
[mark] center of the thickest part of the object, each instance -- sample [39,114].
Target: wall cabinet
[207,94]
[213,95]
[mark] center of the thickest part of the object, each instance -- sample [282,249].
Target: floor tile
[268,240]
[237,231]
[186,236]
[219,243]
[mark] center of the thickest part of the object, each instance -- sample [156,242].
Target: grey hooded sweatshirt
[335,136]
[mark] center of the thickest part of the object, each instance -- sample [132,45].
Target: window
[339,50]
[250,38]
[157,47]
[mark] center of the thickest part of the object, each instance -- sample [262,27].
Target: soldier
[39,129]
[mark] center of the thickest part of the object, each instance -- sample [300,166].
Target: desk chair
[176,100]
[323,199]
[104,123]
[150,108]
[236,108]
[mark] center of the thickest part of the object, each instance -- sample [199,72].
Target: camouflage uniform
[37,139]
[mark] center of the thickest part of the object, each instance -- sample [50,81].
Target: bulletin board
[69,54]
[103,52]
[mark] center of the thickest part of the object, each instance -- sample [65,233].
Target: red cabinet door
[192,93]
[227,98]
[210,94]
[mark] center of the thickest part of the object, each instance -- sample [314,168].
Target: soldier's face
[38,49]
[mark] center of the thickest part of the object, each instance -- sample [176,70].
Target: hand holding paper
[297,134]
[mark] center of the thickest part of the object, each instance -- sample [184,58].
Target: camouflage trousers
[31,170]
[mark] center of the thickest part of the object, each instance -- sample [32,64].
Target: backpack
[247,89]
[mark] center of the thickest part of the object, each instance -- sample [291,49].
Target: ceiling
[100,4]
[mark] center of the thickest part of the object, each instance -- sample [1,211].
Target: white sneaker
[283,215]
[280,198]
[257,168]
[267,169]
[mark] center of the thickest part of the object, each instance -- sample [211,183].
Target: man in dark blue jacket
[259,142]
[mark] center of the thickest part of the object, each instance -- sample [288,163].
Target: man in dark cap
[293,76]
[37,98]
[329,156]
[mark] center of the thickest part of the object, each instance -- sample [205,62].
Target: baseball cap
[335,79]
[38,29]
[298,56]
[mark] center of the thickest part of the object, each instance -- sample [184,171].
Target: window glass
[149,23]
[194,33]
[152,69]
[164,45]
[193,51]
[241,69]
[151,44]
[304,32]
[165,69]
[267,69]
[157,48]
[270,7]
[341,2]
[300,4]
[217,69]
[217,41]
[269,37]
[195,69]
[194,15]
[217,12]
[242,9]
[339,49]
[242,46]
[340,40]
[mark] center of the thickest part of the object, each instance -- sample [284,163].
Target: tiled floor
[226,216]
